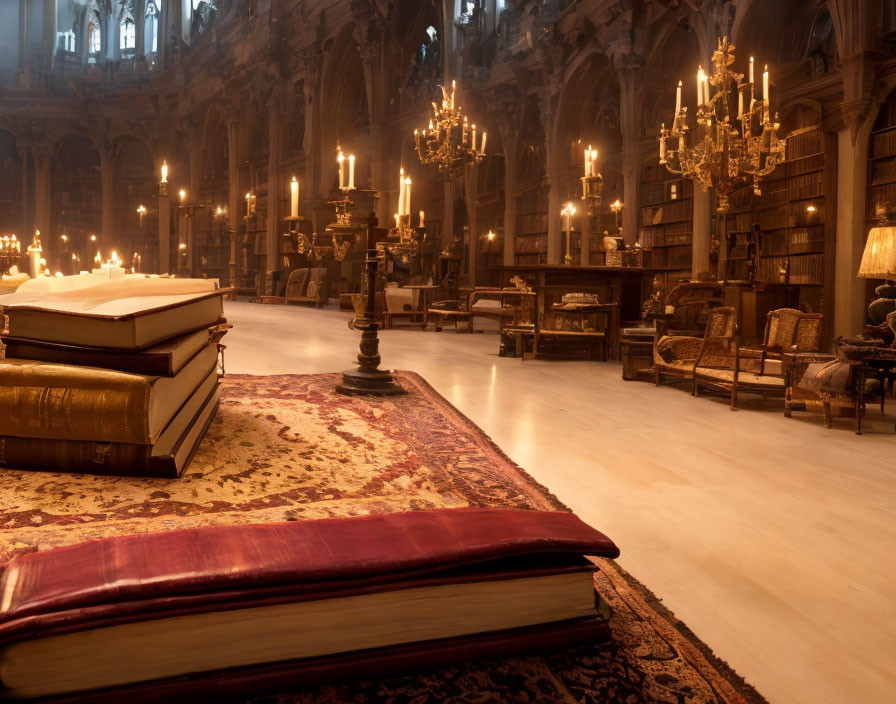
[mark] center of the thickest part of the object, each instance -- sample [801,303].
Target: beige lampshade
[879,259]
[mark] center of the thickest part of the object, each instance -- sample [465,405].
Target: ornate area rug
[289,448]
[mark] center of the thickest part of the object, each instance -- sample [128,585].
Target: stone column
[509,144]
[555,205]
[164,264]
[234,200]
[470,190]
[50,30]
[852,176]
[630,123]
[448,214]
[24,42]
[24,154]
[702,232]
[107,169]
[272,236]
[42,154]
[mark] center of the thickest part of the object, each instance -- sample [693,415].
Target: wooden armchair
[310,288]
[691,303]
[676,355]
[725,366]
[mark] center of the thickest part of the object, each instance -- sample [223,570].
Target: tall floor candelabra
[368,378]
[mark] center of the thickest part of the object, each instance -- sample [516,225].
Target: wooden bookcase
[531,245]
[795,214]
[666,223]
[881,191]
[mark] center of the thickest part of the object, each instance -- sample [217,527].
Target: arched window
[128,34]
[151,28]
[94,38]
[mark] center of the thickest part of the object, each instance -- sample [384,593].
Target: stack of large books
[101,382]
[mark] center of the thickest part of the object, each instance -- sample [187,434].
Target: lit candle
[341,159]
[453,90]
[663,144]
[765,85]
[164,172]
[183,194]
[474,138]
[293,198]
[397,218]
[351,171]
[752,84]
[587,161]
[700,76]
[401,192]
[421,219]
[484,135]
[740,102]
[678,100]
[407,196]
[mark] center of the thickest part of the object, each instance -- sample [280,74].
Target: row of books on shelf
[536,222]
[884,144]
[805,144]
[531,244]
[810,185]
[668,212]
[531,258]
[800,270]
[659,192]
[794,241]
[796,214]
[805,165]
[880,199]
[660,237]
[883,172]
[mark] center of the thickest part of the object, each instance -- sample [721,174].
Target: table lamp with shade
[879,262]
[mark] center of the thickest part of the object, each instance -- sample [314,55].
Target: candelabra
[449,141]
[724,156]
[344,233]
[568,211]
[10,252]
[592,181]
[404,240]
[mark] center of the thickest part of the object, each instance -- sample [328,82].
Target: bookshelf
[881,191]
[666,223]
[791,213]
[531,246]
[10,187]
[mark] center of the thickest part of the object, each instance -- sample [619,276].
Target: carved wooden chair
[732,369]
[295,284]
[676,355]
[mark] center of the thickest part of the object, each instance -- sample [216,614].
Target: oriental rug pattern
[289,448]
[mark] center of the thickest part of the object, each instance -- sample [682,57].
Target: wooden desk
[424,300]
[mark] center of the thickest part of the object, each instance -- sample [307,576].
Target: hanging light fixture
[450,141]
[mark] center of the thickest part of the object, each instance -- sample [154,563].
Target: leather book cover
[67,402]
[159,360]
[132,577]
[142,578]
[113,458]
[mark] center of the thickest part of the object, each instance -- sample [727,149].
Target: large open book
[244,607]
[65,402]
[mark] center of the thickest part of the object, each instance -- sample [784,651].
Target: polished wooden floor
[773,539]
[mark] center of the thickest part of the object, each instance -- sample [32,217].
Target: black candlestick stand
[368,378]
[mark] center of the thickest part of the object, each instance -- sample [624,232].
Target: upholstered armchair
[676,355]
[295,284]
[726,366]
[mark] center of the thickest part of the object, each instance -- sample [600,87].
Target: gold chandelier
[449,141]
[721,155]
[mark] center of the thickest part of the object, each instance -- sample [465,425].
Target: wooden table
[609,334]
[424,301]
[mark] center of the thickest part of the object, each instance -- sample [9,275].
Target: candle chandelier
[722,155]
[449,141]
[403,239]
[343,232]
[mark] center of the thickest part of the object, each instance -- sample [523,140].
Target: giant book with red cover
[239,609]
